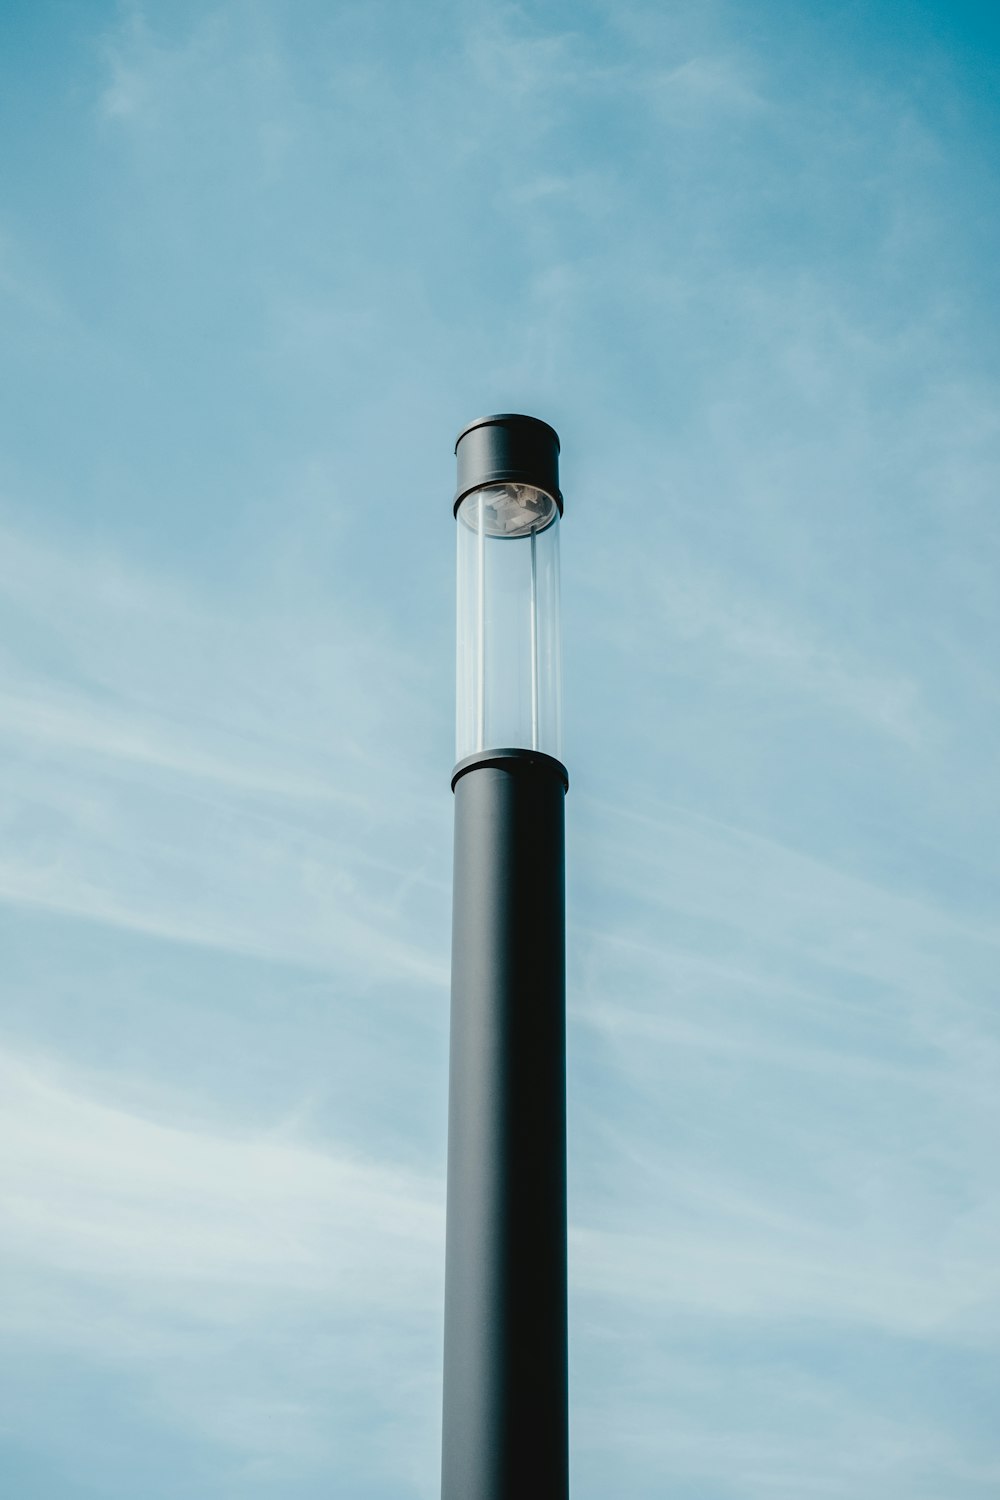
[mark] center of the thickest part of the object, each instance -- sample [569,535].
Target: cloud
[707,620]
[748,273]
[186,1255]
[96,1191]
[193,774]
[805,1081]
[703,91]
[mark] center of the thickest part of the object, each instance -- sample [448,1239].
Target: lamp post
[505,1355]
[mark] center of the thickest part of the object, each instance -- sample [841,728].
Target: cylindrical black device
[505,1383]
[505,1432]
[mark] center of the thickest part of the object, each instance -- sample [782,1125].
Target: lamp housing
[508,508]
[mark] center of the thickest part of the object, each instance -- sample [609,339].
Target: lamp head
[510,452]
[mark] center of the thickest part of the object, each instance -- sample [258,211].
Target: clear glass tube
[508,658]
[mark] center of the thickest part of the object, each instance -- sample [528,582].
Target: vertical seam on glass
[556,646]
[481,685]
[460,647]
[534,646]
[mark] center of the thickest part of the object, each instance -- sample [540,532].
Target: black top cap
[508,449]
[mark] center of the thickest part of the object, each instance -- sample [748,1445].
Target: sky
[259,263]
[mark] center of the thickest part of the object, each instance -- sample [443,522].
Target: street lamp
[505,1376]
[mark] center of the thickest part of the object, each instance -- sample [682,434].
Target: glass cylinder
[509,659]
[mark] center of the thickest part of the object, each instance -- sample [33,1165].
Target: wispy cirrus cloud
[793,1170]
[183,1254]
[157,782]
[262,268]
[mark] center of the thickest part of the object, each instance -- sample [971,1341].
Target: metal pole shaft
[505,1363]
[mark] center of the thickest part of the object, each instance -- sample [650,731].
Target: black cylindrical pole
[505,1401]
[505,1357]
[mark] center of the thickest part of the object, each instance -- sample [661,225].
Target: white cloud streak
[184,1256]
[749,253]
[189,775]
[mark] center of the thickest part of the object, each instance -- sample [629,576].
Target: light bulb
[508,510]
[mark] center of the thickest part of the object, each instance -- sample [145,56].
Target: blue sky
[259,263]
